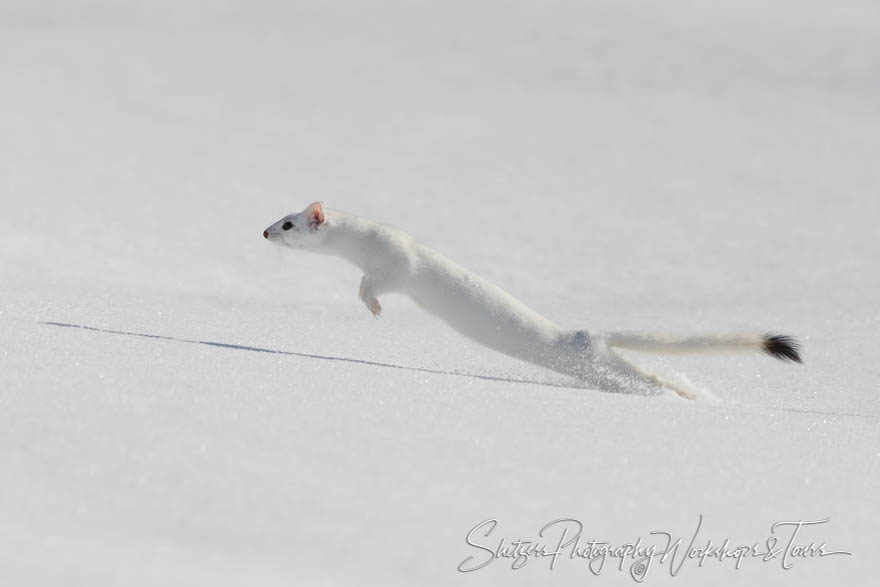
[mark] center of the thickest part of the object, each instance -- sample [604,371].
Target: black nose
[265,234]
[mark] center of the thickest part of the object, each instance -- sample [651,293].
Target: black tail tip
[782,347]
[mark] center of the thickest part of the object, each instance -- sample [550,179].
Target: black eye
[287,225]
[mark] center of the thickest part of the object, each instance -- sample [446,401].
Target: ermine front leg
[368,293]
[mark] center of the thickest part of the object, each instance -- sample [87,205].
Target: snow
[660,166]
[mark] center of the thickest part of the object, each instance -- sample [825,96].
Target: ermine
[392,261]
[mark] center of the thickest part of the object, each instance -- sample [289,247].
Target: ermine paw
[374,307]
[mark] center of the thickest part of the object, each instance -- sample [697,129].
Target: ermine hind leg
[629,369]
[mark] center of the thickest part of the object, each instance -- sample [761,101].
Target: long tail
[780,346]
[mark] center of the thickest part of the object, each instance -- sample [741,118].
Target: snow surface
[670,166]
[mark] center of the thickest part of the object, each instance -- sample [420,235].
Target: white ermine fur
[392,261]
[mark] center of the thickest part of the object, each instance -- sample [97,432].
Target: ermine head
[303,230]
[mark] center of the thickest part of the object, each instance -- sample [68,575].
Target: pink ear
[315,214]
